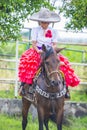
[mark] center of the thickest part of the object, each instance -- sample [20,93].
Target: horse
[49,92]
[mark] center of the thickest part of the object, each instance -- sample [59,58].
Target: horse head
[50,65]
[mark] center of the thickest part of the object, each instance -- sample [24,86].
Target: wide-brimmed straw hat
[45,15]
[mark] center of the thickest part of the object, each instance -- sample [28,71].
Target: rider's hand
[40,51]
[62,63]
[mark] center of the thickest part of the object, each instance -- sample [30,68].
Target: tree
[76,13]
[14,12]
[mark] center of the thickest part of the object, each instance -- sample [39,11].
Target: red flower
[48,34]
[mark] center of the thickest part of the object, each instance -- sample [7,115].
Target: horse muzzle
[54,83]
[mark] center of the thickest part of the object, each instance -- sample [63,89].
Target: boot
[29,92]
[21,90]
[31,89]
[67,95]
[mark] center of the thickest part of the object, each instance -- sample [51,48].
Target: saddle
[29,90]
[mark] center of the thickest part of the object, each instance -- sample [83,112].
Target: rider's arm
[35,47]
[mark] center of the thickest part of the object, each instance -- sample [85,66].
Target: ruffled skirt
[70,77]
[30,62]
[28,65]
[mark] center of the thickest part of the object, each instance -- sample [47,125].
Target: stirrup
[21,91]
[67,95]
[31,90]
[29,97]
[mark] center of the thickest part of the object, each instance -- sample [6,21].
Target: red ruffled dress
[30,62]
[28,65]
[70,76]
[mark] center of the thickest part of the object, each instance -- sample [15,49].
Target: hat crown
[44,13]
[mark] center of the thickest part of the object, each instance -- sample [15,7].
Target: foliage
[14,12]
[76,13]
[14,123]
[7,48]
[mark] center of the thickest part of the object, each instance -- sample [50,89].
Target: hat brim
[53,18]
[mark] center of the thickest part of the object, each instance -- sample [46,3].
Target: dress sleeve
[34,34]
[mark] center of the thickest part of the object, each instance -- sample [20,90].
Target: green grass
[78,96]
[8,93]
[74,56]
[14,123]
[78,123]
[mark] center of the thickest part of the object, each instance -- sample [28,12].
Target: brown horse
[49,92]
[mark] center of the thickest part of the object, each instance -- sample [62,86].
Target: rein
[49,74]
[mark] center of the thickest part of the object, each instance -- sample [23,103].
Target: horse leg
[40,118]
[59,120]
[25,108]
[40,123]
[46,124]
[59,127]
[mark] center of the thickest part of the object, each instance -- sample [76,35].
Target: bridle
[48,75]
[55,71]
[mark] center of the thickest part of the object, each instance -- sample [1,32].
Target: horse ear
[44,48]
[59,49]
[44,51]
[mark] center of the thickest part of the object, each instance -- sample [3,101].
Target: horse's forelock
[49,51]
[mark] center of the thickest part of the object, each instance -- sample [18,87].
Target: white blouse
[38,35]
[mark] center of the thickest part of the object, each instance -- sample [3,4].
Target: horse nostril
[54,83]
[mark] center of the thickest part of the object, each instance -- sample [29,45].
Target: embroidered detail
[51,95]
[48,34]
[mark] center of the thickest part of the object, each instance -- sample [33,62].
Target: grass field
[14,123]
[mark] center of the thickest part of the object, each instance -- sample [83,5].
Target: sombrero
[45,15]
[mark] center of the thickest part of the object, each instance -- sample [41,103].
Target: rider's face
[44,25]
